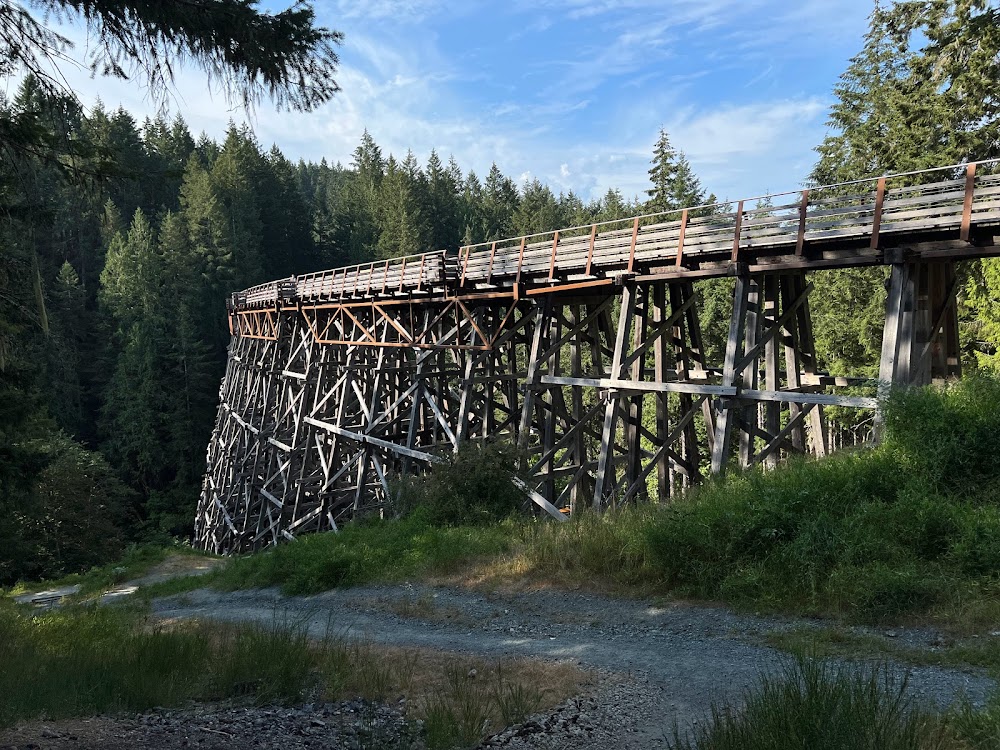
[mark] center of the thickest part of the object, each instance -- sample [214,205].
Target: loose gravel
[347,725]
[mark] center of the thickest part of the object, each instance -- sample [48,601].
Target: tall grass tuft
[610,547]
[816,705]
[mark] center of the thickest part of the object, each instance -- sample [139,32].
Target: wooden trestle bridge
[583,346]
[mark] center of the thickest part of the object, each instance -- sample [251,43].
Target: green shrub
[976,546]
[876,533]
[948,439]
[474,486]
[72,517]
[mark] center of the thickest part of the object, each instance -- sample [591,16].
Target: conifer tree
[537,211]
[65,355]
[675,184]
[613,206]
[499,202]
[662,174]
[473,209]
[133,406]
[401,213]
[442,205]
[234,176]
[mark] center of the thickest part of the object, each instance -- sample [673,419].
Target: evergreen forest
[120,240]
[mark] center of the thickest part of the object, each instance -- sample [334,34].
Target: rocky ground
[350,725]
[658,665]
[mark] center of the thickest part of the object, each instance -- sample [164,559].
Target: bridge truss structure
[583,346]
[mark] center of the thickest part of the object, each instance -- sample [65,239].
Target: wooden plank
[800,240]
[360,437]
[877,213]
[826,399]
[539,500]
[639,386]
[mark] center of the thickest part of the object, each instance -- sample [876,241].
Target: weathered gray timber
[583,346]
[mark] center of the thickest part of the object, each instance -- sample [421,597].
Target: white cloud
[564,170]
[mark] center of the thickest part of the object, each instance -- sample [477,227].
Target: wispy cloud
[395,10]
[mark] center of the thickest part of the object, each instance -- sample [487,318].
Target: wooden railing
[957,200]
[866,209]
[409,274]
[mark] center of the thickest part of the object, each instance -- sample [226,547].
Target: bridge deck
[830,226]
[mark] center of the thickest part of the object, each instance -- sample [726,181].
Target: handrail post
[590,252]
[465,265]
[970,187]
[800,242]
[680,239]
[552,262]
[493,253]
[631,250]
[877,218]
[520,261]
[736,234]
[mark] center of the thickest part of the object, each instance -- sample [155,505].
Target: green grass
[816,705]
[365,553]
[175,586]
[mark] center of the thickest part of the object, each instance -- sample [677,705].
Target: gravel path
[658,664]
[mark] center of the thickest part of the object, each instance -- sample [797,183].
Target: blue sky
[572,92]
